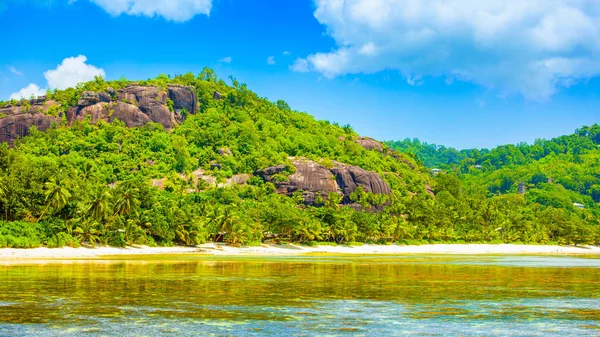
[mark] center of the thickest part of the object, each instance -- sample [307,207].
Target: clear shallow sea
[303,296]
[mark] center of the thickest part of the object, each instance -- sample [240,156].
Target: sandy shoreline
[8,254]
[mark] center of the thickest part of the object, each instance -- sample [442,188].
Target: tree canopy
[93,183]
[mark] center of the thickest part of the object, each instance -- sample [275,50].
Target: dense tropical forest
[95,183]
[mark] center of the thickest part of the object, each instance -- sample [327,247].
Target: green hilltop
[138,162]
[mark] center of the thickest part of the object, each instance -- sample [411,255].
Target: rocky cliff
[314,180]
[134,105]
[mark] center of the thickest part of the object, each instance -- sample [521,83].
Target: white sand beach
[8,254]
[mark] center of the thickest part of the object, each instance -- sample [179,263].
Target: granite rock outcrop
[314,180]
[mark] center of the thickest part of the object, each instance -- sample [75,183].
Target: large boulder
[158,113]
[351,177]
[88,98]
[39,104]
[16,126]
[98,111]
[136,105]
[310,178]
[183,97]
[12,110]
[369,144]
[141,95]
[314,179]
[151,101]
[130,114]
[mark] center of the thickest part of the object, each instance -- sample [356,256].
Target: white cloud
[271,60]
[72,71]
[531,47]
[227,59]
[15,71]
[28,91]
[368,49]
[300,66]
[414,80]
[287,53]
[174,10]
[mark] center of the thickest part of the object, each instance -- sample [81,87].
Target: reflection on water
[303,296]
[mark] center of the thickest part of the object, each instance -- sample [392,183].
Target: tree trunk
[43,213]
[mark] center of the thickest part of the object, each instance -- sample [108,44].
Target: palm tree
[126,202]
[57,196]
[86,171]
[98,204]
[403,230]
[133,231]
[228,220]
[3,195]
[3,189]
[87,231]
[333,201]
[222,220]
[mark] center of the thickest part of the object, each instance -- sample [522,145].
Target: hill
[560,173]
[188,159]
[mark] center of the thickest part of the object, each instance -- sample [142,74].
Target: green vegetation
[557,174]
[92,184]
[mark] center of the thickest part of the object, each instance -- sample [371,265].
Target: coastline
[210,249]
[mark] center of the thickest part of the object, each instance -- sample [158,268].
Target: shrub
[20,234]
[62,240]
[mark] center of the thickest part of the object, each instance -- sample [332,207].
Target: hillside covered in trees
[190,159]
[555,173]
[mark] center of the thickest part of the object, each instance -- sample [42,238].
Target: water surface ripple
[303,296]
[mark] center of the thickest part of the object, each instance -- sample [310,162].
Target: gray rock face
[16,126]
[314,180]
[38,100]
[370,144]
[104,97]
[158,112]
[351,177]
[88,98]
[183,98]
[12,110]
[99,111]
[136,105]
[19,118]
[130,114]
[310,178]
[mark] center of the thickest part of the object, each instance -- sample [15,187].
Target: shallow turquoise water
[304,296]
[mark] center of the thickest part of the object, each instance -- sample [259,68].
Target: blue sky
[460,73]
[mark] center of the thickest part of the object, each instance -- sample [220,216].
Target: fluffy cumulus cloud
[531,47]
[71,71]
[28,91]
[174,10]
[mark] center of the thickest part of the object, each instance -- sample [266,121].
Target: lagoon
[320,295]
